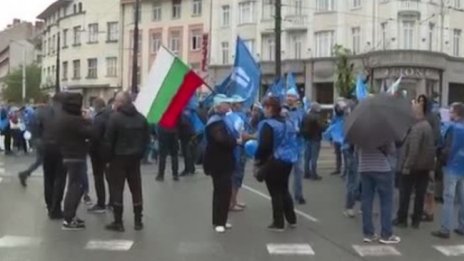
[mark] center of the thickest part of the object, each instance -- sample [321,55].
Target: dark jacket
[47,117]
[313,126]
[418,152]
[127,133]
[73,130]
[219,153]
[100,122]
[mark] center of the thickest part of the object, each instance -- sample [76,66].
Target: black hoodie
[73,130]
[127,133]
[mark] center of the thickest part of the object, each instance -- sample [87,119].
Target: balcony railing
[296,22]
[409,5]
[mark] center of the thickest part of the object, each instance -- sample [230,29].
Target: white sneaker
[220,229]
[349,213]
[228,226]
[390,241]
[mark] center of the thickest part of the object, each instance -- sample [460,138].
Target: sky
[22,9]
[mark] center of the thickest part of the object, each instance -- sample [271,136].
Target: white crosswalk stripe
[1,179]
[290,249]
[18,241]
[110,245]
[376,250]
[2,171]
[456,250]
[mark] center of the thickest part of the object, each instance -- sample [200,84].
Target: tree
[345,82]
[13,81]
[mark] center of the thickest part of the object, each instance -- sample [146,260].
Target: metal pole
[278,43]
[136,49]
[24,75]
[57,76]
[442,29]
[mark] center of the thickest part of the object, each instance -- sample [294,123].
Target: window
[250,44]
[49,49]
[296,45]
[174,42]
[268,10]
[408,34]
[325,5]
[76,69]
[113,32]
[225,21]
[356,3]
[384,34]
[80,7]
[176,9]
[225,52]
[457,3]
[74,9]
[77,35]
[456,41]
[45,47]
[65,38]
[298,7]
[268,51]
[53,44]
[157,11]
[325,42]
[431,36]
[93,33]
[92,68]
[245,12]
[356,34]
[155,42]
[196,40]
[197,6]
[65,70]
[111,67]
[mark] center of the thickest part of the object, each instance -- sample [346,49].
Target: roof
[54,7]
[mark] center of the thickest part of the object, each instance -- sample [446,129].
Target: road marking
[298,212]
[457,250]
[290,249]
[376,250]
[110,245]
[18,241]
[1,179]
[2,171]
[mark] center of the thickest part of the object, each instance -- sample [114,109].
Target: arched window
[74,9]
[80,7]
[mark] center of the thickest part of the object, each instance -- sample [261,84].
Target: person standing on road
[453,160]
[313,128]
[219,161]
[186,137]
[73,132]
[417,165]
[169,146]
[126,137]
[277,152]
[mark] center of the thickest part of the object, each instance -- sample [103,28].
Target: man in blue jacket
[453,157]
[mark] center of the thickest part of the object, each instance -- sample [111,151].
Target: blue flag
[225,86]
[277,89]
[361,88]
[291,81]
[246,75]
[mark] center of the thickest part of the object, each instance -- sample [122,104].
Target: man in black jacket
[96,150]
[312,133]
[126,137]
[74,130]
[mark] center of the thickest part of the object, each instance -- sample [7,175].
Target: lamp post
[23,89]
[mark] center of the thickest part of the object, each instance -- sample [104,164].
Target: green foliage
[13,91]
[345,82]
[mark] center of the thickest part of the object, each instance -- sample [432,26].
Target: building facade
[182,26]
[420,40]
[86,33]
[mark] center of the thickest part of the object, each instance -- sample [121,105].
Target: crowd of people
[427,161]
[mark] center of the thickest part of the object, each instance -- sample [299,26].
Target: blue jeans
[297,172]
[239,172]
[382,183]
[452,184]
[351,178]
[311,156]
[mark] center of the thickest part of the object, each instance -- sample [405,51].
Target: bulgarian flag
[170,86]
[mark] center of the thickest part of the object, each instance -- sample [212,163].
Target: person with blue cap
[295,114]
[219,160]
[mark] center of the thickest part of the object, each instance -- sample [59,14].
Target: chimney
[16,21]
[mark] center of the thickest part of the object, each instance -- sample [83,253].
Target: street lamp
[24,71]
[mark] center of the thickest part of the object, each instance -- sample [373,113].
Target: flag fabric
[394,88]
[170,86]
[306,104]
[277,89]
[361,88]
[291,82]
[224,86]
[246,75]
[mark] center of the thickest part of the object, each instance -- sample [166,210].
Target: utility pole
[442,26]
[24,75]
[57,76]
[135,55]
[278,33]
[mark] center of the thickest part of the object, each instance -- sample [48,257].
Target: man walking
[169,146]
[73,132]
[126,137]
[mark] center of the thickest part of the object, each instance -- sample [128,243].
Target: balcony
[409,7]
[295,23]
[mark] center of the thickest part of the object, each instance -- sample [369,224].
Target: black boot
[117,224]
[138,224]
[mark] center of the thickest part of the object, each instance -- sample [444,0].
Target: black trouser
[222,191]
[54,178]
[168,146]
[124,168]
[99,170]
[76,170]
[338,156]
[38,159]
[419,181]
[7,141]
[282,202]
[188,152]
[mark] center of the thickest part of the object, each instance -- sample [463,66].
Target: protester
[126,136]
[73,132]
[337,144]
[100,121]
[169,146]
[5,128]
[312,132]
[417,164]
[219,161]
[186,137]
[453,161]
[276,154]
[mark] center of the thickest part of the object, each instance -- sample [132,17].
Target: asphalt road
[178,226]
